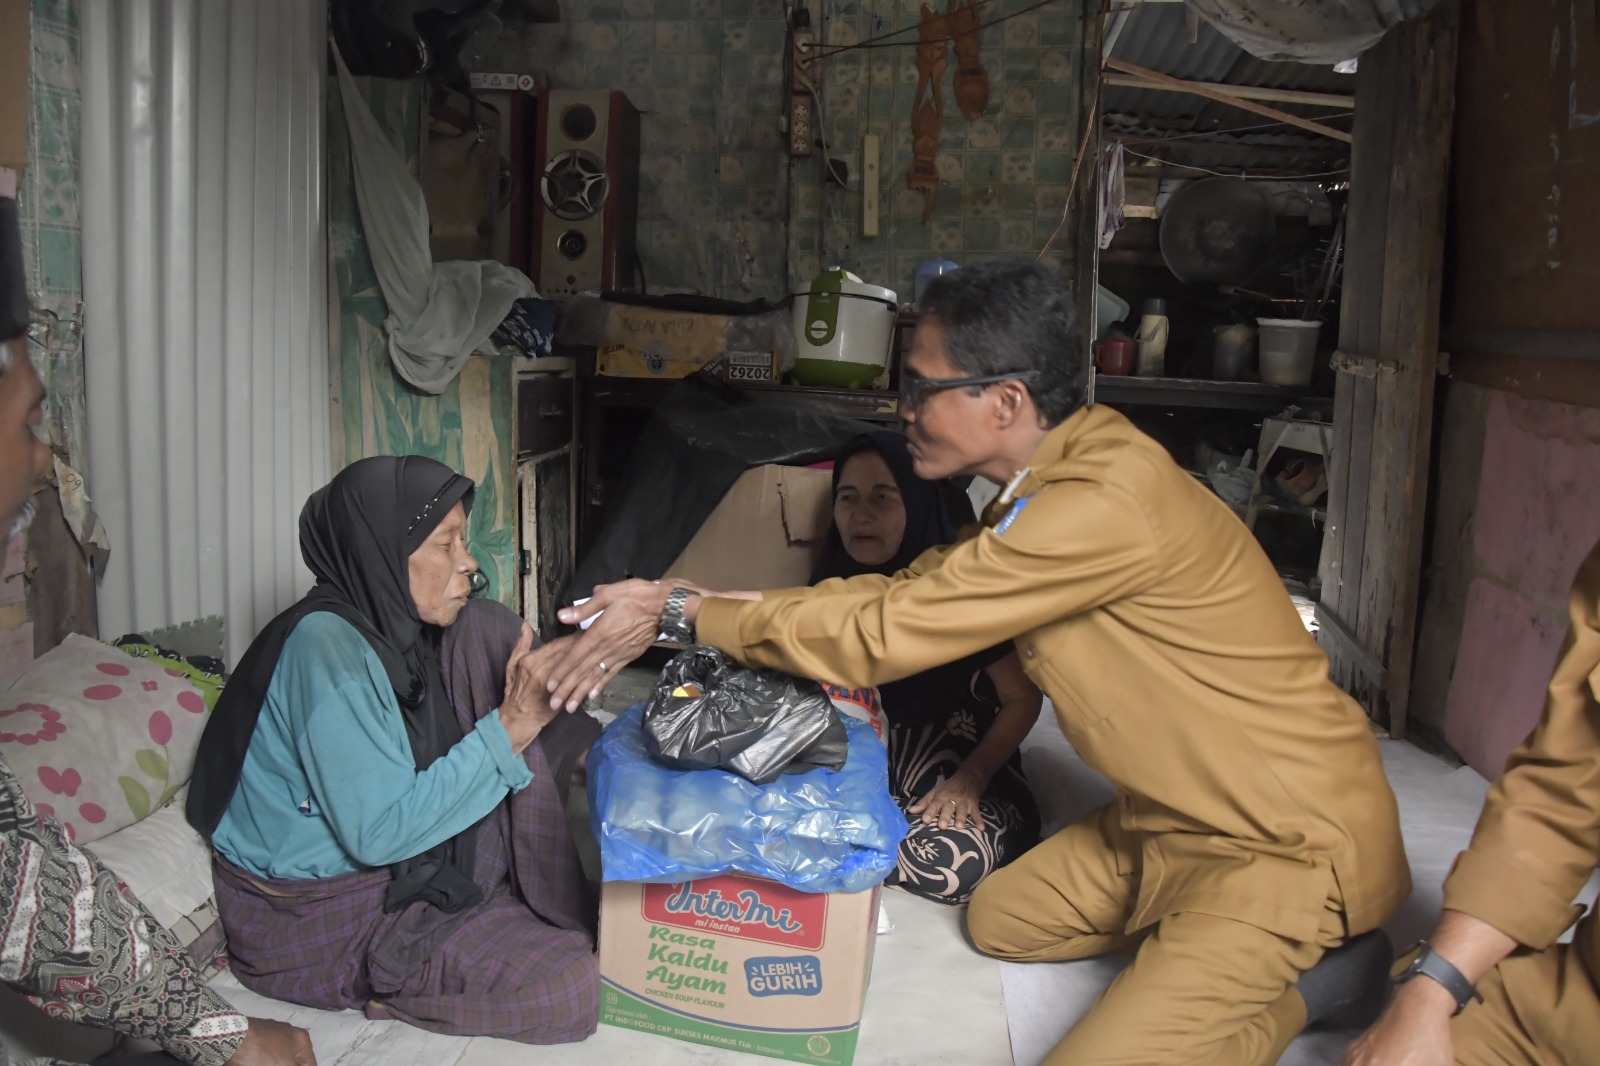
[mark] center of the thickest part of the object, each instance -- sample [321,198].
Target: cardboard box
[14,62]
[739,962]
[765,534]
[643,342]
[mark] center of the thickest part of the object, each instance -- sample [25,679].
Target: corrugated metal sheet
[205,291]
[1156,36]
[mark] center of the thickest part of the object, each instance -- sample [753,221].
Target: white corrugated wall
[206,342]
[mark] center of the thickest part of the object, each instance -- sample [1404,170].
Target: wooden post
[1384,422]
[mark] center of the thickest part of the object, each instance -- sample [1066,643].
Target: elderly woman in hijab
[384,783]
[953,730]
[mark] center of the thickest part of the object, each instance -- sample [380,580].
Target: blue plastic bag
[818,831]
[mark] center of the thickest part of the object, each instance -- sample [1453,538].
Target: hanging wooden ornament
[972,78]
[927,106]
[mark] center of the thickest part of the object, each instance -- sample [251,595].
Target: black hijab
[357,534]
[935,513]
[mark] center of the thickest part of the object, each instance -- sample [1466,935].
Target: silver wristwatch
[674,627]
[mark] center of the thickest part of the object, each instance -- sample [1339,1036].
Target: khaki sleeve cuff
[1501,893]
[718,623]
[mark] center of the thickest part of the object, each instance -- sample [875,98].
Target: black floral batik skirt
[947,864]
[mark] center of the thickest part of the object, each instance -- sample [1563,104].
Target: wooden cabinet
[545,461]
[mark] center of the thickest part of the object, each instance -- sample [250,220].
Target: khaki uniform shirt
[1248,783]
[1538,839]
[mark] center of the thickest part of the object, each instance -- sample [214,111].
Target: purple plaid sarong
[519,965]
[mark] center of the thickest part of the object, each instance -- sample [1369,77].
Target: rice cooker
[843,328]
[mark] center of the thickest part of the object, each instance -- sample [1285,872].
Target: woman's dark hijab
[357,534]
[936,511]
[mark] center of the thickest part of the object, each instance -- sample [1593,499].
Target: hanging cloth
[1113,193]
[439,313]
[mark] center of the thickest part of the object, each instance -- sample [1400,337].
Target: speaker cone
[578,122]
[574,185]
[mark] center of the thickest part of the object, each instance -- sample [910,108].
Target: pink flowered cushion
[99,739]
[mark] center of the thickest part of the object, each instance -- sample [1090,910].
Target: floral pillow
[99,739]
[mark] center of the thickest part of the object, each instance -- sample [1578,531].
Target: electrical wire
[822,138]
[1090,122]
[1244,177]
[882,40]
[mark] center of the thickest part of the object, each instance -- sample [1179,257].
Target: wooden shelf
[871,405]
[1118,390]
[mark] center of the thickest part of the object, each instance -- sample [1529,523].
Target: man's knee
[990,923]
[1002,923]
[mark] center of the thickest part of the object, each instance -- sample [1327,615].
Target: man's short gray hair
[6,356]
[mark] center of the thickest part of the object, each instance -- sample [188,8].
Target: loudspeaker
[586,163]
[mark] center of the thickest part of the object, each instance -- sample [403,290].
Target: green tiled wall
[723,208]
[52,236]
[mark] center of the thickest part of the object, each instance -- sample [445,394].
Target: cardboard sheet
[765,534]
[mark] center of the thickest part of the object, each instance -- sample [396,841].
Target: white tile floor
[933,999]
[1438,807]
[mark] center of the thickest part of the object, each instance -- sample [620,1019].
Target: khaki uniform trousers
[1201,989]
[1540,1008]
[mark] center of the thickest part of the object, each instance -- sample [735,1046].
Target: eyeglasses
[913,388]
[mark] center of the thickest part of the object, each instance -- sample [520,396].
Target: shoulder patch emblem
[1011,515]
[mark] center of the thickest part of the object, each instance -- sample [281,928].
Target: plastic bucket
[1287,350]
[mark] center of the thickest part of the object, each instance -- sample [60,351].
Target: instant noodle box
[738,962]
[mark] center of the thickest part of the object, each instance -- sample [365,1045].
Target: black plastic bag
[708,712]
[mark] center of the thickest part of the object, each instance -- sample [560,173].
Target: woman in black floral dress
[953,730]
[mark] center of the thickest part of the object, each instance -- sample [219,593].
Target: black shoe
[1346,989]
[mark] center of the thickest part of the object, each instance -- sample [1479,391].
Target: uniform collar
[1058,444]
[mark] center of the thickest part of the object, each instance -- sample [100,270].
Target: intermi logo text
[742,907]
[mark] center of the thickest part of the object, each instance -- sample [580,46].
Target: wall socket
[801,131]
[802,43]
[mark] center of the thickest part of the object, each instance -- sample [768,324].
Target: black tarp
[699,440]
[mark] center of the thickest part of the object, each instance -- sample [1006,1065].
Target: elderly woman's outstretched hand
[629,625]
[526,710]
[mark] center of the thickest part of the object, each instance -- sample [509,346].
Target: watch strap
[673,625]
[1430,963]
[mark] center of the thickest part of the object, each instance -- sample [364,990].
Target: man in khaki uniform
[1253,828]
[1509,896]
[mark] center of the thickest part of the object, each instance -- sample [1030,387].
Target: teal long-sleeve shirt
[329,784]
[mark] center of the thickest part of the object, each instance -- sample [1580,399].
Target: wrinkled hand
[270,1043]
[525,710]
[631,621]
[1414,1031]
[952,802]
